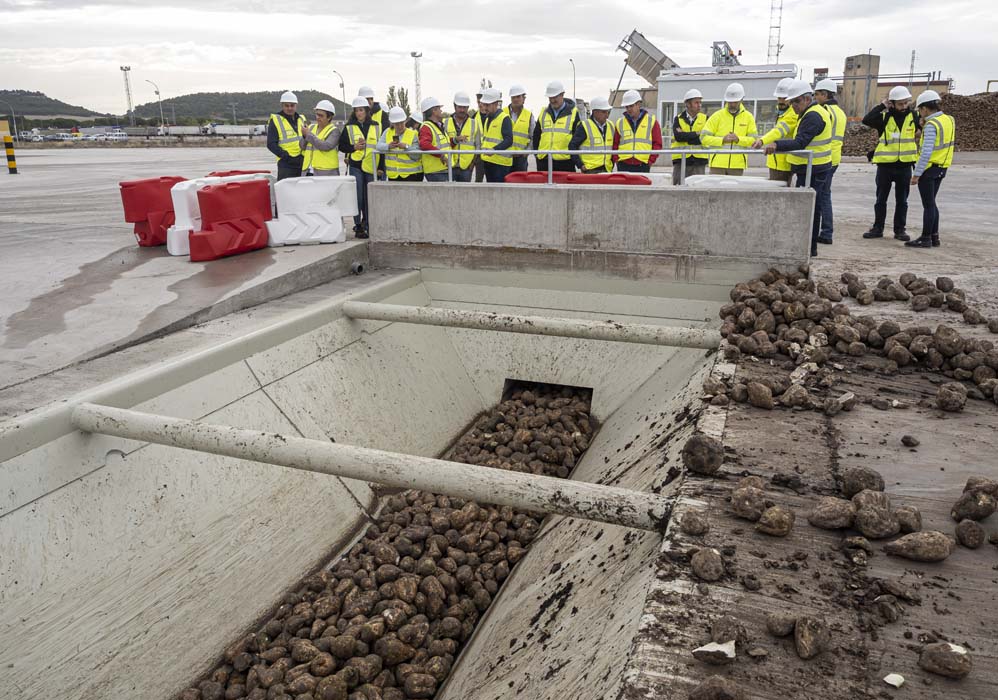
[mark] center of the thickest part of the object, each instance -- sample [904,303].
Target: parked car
[37,138]
[116,136]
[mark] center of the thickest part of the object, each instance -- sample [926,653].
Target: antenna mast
[128,94]
[775,22]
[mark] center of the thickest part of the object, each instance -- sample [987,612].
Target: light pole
[416,55]
[573,80]
[344,89]
[13,118]
[233,105]
[162,122]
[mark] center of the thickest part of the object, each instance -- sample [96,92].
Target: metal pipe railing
[703,338]
[683,152]
[545,494]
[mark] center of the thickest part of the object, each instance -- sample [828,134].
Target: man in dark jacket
[283,131]
[895,155]
[814,125]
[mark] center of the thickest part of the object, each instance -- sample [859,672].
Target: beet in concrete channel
[388,619]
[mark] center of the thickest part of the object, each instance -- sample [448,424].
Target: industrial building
[862,85]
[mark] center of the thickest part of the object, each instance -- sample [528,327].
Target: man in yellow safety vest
[895,155]
[938,142]
[378,114]
[554,129]
[523,125]
[594,134]
[813,133]
[396,143]
[786,122]
[824,94]
[463,132]
[283,132]
[731,127]
[686,128]
[497,136]
[637,130]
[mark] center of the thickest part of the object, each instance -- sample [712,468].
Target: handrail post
[550,160]
[682,171]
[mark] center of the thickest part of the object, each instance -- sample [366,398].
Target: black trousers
[558,166]
[623,167]
[495,172]
[289,168]
[519,164]
[900,177]
[928,187]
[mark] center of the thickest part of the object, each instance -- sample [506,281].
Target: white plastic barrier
[188,212]
[739,181]
[311,210]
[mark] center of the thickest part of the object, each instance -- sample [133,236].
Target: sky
[72,49]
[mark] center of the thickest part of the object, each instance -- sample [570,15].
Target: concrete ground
[74,284]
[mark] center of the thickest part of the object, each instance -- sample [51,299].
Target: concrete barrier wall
[759,227]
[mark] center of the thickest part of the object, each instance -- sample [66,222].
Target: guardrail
[685,153]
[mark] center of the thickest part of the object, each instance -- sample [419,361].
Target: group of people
[389,144]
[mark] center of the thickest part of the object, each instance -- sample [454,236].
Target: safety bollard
[8,144]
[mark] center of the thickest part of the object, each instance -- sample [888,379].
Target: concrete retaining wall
[752,227]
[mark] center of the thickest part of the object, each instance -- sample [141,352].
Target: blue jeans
[495,172]
[462,174]
[436,177]
[819,180]
[360,221]
[825,197]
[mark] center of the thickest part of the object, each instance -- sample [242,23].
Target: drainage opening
[388,618]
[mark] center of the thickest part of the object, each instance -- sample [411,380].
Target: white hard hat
[517,90]
[554,89]
[417,117]
[630,97]
[798,88]
[734,93]
[490,95]
[899,92]
[429,103]
[828,85]
[289,97]
[326,106]
[927,96]
[396,115]
[692,94]
[366,91]
[360,102]
[461,99]
[600,103]
[782,87]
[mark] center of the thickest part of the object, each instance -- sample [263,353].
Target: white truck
[180,131]
[238,129]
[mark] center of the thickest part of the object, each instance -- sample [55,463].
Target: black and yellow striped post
[8,144]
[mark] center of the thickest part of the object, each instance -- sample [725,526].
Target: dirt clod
[856,479]
[876,523]
[707,565]
[780,624]
[927,546]
[975,504]
[970,534]
[832,513]
[910,441]
[776,521]
[694,522]
[945,659]
[760,395]
[909,518]
[717,688]
[811,636]
[748,502]
[703,454]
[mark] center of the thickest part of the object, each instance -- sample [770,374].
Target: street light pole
[233,105]
[13,118]
[573,80]
[344,89]
[162,121]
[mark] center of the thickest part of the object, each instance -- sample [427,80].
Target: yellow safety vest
[897,145]
[321,160]
[636,139]
[398,163]
[839,121]
[785,128]
[597,141]
[432,163]
[557,134]
[287,138]
[521,129]
[723,122]
[364,158]
[492,137]
[470,128]
[942,153]
[696,127]
[821,145]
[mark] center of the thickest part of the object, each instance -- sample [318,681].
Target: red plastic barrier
[230,173]
[233,217]
[536,177]
[148,205]
[608,179]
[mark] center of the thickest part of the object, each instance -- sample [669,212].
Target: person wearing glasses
[320,143]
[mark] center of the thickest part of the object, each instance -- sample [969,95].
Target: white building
[758,81]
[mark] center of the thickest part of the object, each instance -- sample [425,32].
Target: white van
[117,135]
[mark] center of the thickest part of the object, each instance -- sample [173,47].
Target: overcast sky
[71,49]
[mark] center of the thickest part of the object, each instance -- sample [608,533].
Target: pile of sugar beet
[387,620]
[790,315]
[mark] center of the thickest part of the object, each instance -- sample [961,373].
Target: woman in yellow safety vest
[594,134]
[319,144]
[358,140]
[396,143]
[938,142]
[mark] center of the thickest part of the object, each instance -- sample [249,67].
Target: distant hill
[28,103]
[216,106]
